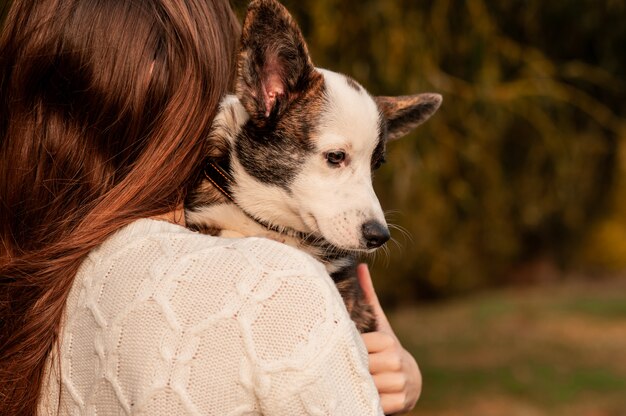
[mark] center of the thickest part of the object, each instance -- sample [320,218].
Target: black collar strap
[219,177]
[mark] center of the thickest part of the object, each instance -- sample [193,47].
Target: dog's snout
[375,234]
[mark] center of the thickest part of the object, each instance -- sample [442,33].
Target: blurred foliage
[525,158]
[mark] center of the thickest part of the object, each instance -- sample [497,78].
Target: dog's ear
[405,113]
[274,65]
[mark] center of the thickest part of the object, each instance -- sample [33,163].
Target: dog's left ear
[405,113]
[274,66]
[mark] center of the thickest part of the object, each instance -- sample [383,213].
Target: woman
[107,304]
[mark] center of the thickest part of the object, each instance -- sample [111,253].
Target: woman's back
[161,320]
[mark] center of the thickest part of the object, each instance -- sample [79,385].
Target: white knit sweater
[164,321]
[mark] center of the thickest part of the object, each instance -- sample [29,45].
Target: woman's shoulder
[157,278]
[139,240]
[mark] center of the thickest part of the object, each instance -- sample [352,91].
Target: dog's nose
[375,234]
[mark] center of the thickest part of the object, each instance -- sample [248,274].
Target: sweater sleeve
[283,333]
[309,357]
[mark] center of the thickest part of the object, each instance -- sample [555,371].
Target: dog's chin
[361,250]
[314,230]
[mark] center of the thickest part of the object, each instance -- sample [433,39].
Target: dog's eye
[335,157]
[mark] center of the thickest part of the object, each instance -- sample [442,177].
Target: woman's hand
[395,372]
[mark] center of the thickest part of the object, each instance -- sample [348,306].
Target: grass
[550,350]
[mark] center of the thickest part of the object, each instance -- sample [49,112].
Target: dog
[292,154]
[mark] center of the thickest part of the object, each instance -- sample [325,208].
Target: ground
[557,349]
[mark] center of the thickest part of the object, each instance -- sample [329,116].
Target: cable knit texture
[164,321]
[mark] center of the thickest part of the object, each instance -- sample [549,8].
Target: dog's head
[304,158]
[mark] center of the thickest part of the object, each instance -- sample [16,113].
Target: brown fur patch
[360,312]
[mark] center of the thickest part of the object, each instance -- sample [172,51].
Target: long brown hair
[104,106]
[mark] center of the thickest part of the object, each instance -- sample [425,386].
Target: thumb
[365,281]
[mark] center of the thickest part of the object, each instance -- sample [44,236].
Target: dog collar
[220,178]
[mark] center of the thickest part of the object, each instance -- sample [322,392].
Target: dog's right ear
[274,65]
